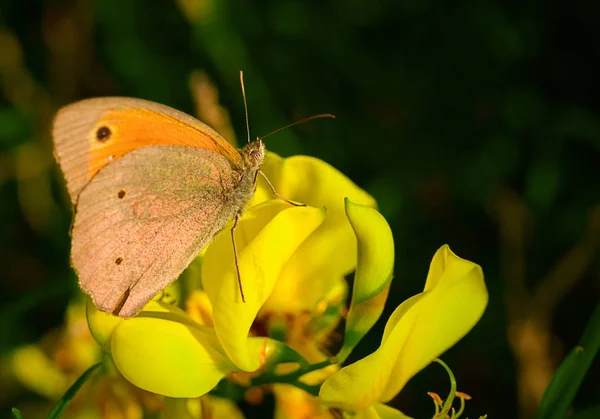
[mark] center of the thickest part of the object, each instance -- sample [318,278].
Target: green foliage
[569,375]
[62,404]
[441,106]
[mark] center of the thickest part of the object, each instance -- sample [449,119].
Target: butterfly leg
[235,255]
[255,183]
[277,193]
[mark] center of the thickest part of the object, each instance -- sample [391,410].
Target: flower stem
[62,404]
[227,389]
[271,378]
[448,403]
[293,377]
[234,391]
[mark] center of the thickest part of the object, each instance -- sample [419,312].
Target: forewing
[142,219]
[127,124]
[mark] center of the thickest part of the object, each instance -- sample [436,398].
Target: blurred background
[473,123]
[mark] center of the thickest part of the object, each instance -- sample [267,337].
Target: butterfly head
[254,153]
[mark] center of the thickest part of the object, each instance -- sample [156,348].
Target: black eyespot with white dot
[103,134]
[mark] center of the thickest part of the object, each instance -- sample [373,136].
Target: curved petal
[418,331]
[163,351]
[458,289]
[358,386]
[101,324]
[265,238]
[374,273]
[309,274]
[313,182]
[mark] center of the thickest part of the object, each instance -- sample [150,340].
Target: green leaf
[570,373]
[62,404]
[16,413]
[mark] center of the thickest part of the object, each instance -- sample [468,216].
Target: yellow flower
[418,331]
[49,368]
[322,261]
[292,261]
[176,353]
[284,269]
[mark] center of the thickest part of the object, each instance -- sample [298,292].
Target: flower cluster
[293,262]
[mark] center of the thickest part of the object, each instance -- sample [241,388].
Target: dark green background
[442,108]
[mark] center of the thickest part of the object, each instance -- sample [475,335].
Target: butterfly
[151,187]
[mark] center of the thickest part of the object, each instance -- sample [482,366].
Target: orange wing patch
[90,134]
[134,128]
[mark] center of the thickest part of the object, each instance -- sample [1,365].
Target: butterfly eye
[103,134]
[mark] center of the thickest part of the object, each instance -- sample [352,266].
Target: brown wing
[142,219]
[92,133]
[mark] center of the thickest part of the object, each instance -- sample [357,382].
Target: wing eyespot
[103,134]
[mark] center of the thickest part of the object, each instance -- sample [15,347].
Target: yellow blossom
[418,331]
[49,368]
[185,354]
[322,261]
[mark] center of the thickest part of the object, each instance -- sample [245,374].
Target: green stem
[452,394]
[462,407]
[272,378]
[235,391]
[62,404]
[229,390]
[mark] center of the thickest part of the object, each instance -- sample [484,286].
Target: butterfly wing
[92,133]
[142,219]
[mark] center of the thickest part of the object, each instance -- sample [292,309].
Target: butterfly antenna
[310,118]
[245,104]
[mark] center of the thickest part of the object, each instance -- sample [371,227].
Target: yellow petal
[418,331]
[379,411]
[271,167]
[293,403]
[386,412]
[37,372]
[265,238]
[360,385]
[199,308]
[217,407]
[101,324]
[373,273]
[313,182]
[205,407]
[163,351]
[309,274]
